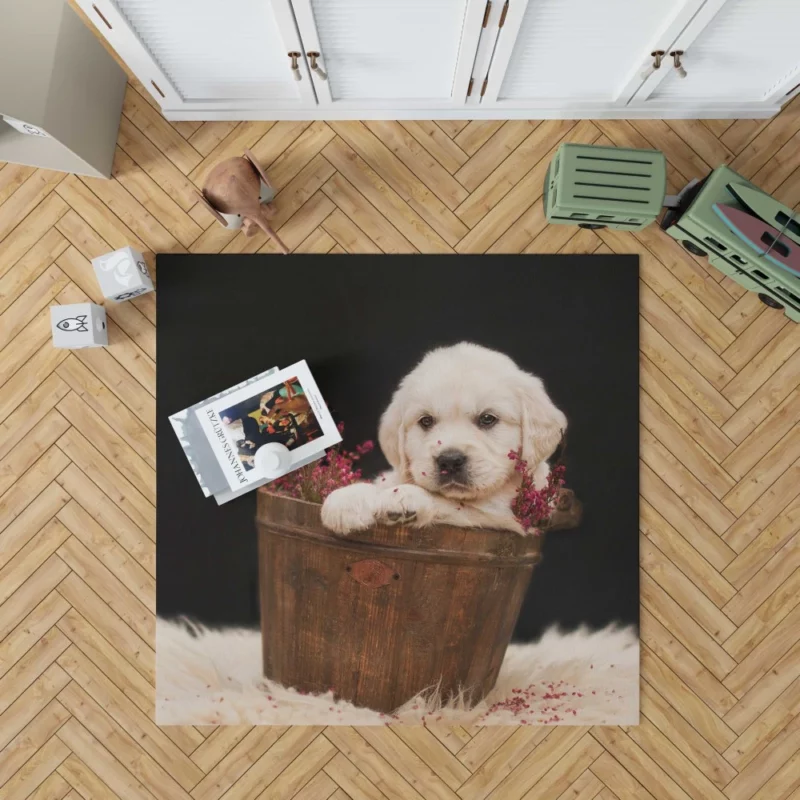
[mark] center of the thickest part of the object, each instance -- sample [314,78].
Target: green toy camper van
[696,225]
[610,187]
[605,187]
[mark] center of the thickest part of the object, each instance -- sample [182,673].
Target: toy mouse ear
[214,213]
[257,167]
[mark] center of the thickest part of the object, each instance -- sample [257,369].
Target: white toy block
[122,274]
[79,325]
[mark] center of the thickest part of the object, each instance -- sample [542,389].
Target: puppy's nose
[451,462]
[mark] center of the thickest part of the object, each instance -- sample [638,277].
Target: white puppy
[447,434]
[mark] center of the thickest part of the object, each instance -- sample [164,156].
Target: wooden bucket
[381,615]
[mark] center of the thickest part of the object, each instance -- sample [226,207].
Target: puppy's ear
[392,435]
[543,424]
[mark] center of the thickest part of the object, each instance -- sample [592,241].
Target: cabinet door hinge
[486,13]
[469,88]
[503,15]
[483,88]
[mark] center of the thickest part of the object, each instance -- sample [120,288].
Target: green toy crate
[599,187]
[695,224]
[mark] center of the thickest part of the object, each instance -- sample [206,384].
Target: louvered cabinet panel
[580,50]
[390,51]
[746,53]
[206,51]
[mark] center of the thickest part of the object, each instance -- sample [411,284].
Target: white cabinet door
[734,52]
[208,54]
[570,53]
[390,53]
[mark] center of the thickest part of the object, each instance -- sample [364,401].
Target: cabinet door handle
[321,74]
[295,67]
[658,56]
[676,60]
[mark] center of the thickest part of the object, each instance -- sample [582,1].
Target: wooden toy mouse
[238,193]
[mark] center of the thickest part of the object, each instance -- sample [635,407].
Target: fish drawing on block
[763,238]
[769,209]
[74,324]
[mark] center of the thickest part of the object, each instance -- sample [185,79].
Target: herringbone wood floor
[720,466]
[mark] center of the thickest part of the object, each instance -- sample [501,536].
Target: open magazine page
[197,448]
[285,408]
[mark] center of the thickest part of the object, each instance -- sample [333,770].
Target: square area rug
[452,365]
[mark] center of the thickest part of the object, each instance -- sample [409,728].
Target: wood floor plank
[684,556]
[143,152]
[119,743]
[133,721]
[136,573]
[419,161]
[160,132]
[384,198]
[475,134]
[111,444]
[348,235]
[437,143]
[154,199]
[685,413]
[760,587]
[106,772]
[494,152]
[536,146]
[31,266]
[25,199]
[772,612]
[12,176]
[392,170]
[678,732]
[107,586]
[31,738]
[26,235]
[111,626]
[497,218]
[298,153]
[33,591]
[371,225]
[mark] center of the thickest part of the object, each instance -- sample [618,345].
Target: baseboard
[207,112]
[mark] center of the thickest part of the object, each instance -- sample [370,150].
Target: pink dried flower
[314,482]
[532,507]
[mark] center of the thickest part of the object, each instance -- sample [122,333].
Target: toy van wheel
[592,226]
[769,301]
[694,249]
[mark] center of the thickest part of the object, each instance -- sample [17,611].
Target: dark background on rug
[362,322]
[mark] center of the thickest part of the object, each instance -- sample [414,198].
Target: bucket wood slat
[383,614]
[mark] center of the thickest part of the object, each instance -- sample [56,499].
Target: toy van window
[791,225]
[578,214]
[779,247]
[793,297]
[715,243]
[737,259]
[759,274]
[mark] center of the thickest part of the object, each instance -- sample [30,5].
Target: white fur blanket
[578,678]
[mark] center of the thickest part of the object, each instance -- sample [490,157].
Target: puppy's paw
[406,505]
[351,508]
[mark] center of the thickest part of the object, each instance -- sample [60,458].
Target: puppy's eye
[486,420]
[426,422]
